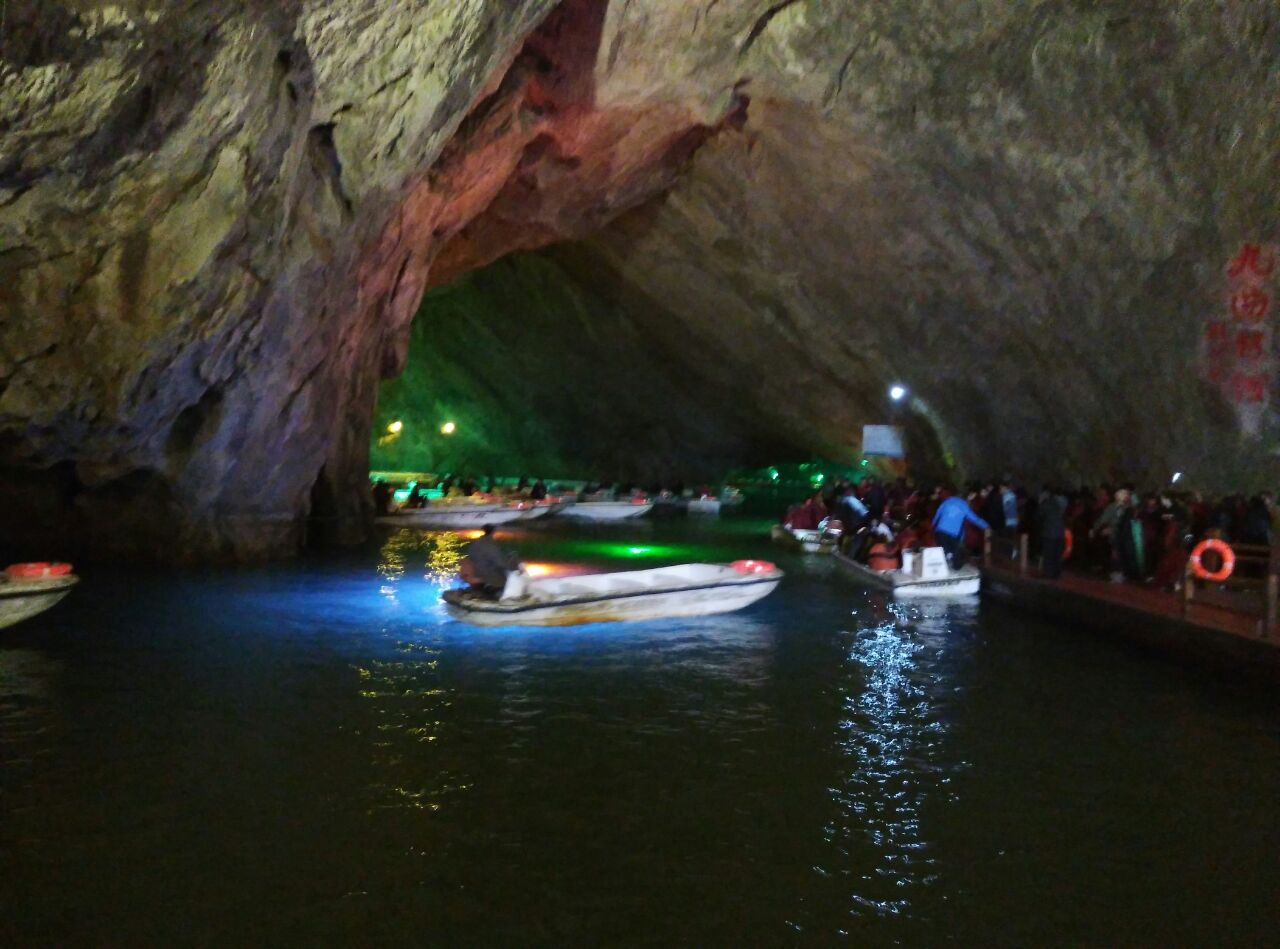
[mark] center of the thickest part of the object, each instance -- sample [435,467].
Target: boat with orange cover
[28,589]
[691,589]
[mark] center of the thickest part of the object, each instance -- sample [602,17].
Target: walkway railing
[1253,589]
[1251,592]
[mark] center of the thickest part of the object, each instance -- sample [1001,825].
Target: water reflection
[440,552]
[25,677]
[892,738]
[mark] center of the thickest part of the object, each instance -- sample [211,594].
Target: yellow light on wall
[395,427]
[447,428]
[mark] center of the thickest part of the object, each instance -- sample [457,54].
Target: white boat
[802,539]
[466,516]
[691,589]
[607,510]
[704,505]
[908,582]
[22,597]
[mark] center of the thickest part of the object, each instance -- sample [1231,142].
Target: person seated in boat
[883,555]
[948,527]
[486,565]
[418,496]
[382,495]
[539,491]
[808,515]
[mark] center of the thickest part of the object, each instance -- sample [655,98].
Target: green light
[865,462]
[637,550]
[773,473]
[818,477]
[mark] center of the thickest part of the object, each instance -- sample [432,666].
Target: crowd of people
[1111,530]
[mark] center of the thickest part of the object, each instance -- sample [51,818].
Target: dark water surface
[314,754]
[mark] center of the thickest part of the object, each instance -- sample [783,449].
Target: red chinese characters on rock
[1253,262]
[1238,349]
[1250,344]
[1249,388]
[1251,304]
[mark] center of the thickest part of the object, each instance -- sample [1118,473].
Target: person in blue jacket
[948,527]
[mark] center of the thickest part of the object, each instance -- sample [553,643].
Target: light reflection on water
[892,738]
[440,551]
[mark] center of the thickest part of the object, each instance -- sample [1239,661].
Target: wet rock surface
[216,225]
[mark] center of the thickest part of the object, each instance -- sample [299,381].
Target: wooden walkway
[1211,630]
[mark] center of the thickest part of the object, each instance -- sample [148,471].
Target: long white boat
[607,510]
[468,516]
[907,584]
[804,540]
[691,589]
[24,594]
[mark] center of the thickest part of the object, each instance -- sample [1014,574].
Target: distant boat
[692,589]
[802,539]
[704,505]
[607,510]
[452,517]
[28,589]
[946,582]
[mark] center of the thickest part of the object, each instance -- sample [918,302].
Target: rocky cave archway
[216,227]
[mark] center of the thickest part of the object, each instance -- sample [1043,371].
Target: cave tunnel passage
[547,364]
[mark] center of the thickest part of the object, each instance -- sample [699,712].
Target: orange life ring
[752,566]
[37,571]
[1223,550]
[1067,544]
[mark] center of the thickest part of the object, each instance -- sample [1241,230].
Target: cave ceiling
[217,223]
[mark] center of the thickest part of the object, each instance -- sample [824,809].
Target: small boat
[804,540]
[457,516]
[607,510]
[929,581]
[704,505]
[27,589]
[691,589]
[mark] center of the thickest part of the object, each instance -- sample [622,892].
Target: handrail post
[986,548]
[1024,547]
[1273,594]
[1188,589]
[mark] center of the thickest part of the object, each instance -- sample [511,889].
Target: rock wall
[217,221]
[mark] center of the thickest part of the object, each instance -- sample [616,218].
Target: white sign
[882,440]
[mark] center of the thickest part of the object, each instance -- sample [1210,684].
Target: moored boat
[704,505]
[607,510]
[692,589]
[803,540]
[910,582]
[28,589]
[466,516]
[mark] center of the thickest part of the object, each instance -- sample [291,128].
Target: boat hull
[454,519]
[616,597]
[605,510]
[706,506]
[967,581]
[804,541]
[20,600]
